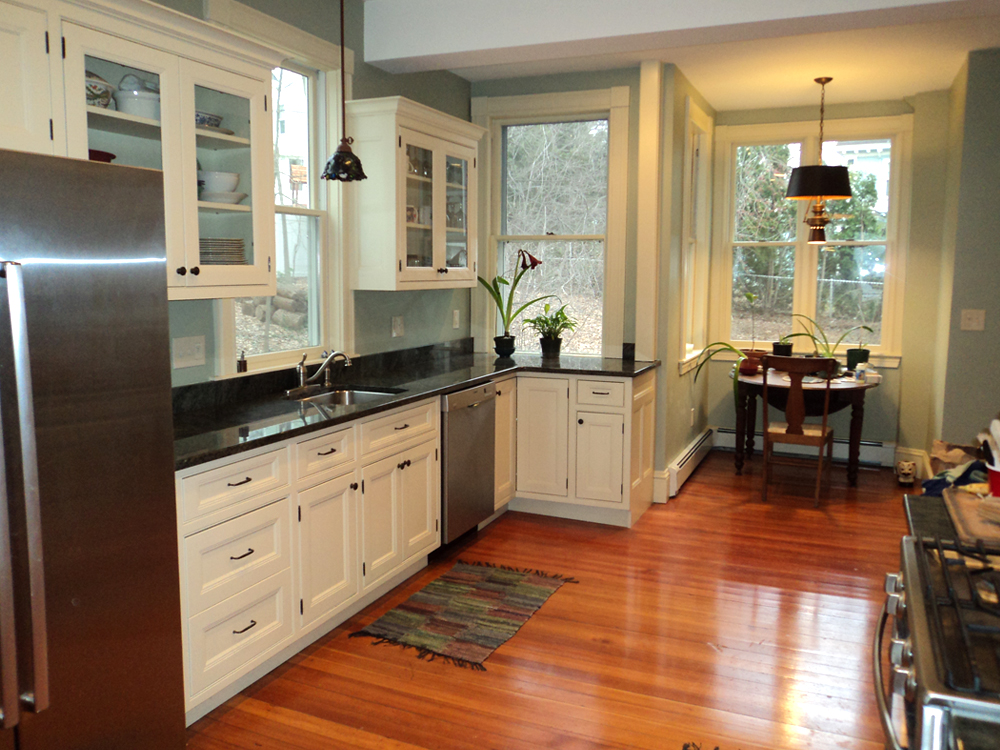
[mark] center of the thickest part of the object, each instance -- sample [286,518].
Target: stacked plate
[222,252]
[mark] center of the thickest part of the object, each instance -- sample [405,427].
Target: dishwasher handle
[469,398]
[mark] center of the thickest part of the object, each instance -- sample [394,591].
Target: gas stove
[945,647]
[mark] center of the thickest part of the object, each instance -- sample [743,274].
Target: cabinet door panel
[542,435]
[381,533]
[327,541]
[25,90]
[421,496]
[458,195]
[506,442]
[599,443]
[422,223]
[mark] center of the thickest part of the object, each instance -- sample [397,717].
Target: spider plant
[821,342]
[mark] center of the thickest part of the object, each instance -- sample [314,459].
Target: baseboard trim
[921,457]
[872,453]
[593,514]
[687,461]
[661,486]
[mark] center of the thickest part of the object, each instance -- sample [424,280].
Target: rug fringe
[525,571]
[422,653]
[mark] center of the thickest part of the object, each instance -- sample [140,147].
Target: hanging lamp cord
[343,84]
[822,112]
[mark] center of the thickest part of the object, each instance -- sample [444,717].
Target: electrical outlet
[454,318]
[973,320]
[188,351]
[397,326]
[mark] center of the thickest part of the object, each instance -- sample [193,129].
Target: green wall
[972,387]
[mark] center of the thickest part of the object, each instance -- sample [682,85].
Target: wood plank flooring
[718,620]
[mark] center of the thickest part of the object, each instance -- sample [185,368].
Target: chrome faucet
[323,369]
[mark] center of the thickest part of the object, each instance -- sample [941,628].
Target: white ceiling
[872,55]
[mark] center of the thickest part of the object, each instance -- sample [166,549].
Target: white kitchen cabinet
[26,113]
[599,442]
[382,539]
[328,574]
[542,440]
[415,217]
[505,460]
[420,497]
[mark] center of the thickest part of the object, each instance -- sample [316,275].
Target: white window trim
[698,123]
[494,113]
[899,129]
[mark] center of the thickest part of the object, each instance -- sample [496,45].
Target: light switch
[454,318]
[397,326]
[188,351]
[973,320]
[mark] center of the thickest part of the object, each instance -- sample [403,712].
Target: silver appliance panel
[468,440]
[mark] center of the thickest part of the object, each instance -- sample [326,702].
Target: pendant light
[344,165]
[819,183]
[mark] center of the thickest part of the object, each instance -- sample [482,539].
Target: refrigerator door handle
[37,698]
[9,713]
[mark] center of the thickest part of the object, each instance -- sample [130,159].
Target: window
[292,319]
[555,207]
[695,232]
[856,277]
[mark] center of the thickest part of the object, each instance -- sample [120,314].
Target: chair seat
[812,434]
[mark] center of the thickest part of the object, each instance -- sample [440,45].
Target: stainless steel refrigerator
[90,627]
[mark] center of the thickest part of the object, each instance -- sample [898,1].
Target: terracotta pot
[503,345]
[751,364]
[550,347]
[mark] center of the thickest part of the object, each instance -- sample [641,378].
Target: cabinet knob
[195,271]
[579,421]
[182,271]
[354,485]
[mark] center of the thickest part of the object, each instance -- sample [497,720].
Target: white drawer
[240,629]
[398,428]
[233,556]
[600,393]
[325,452]
[227,486]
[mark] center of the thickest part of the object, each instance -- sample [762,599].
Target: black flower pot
[855,357]
[550,347]
[781,350]
[503,345]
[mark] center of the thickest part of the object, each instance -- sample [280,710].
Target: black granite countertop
[928,516]
[220,419]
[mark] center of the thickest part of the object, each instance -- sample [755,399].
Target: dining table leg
[854,444]
[751,425]
[741,424]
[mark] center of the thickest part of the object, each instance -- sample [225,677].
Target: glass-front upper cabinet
[229,227]
[456,249]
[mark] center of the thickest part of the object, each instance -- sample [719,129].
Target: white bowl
[219,182]
[221,197]
[141,103]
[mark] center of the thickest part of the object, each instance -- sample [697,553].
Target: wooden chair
[796,431]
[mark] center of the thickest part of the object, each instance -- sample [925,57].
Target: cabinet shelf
[110,121]
[219,141]
[418,178]
[220,208]
[411,225]
[455,186]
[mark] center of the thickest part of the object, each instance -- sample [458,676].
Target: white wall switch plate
[454,318]
[397,326]
[188,351]
[973,320]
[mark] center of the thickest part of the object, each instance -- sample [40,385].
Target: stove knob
[900,652]
[903,682]
[896,604]
[893,583]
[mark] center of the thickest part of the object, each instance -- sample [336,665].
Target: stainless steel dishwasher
[468,436]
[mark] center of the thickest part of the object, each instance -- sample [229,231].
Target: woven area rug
[466,614]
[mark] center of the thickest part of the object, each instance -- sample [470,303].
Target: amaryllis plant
[505,303]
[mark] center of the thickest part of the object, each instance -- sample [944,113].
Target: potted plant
[821,342]
[783,346]
[717,347]
[860,354]
[550,326]
[751,363]
[504,345]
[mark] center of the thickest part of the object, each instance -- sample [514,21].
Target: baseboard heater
[873,452]
[681,469]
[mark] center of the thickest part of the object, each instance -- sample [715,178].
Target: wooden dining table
[844,392]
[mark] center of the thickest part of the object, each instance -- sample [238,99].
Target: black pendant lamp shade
[344,165]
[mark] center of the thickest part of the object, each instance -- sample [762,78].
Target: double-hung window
[271,330]
[765,270]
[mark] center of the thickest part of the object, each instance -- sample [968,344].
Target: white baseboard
[921,457]
[661,486]
[687,460]
[882,454]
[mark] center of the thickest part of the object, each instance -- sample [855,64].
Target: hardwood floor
[717,620]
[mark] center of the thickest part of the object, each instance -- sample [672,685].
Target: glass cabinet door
[419,164]
[456,251]
[226,129]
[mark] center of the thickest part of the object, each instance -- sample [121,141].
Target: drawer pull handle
[403,465]
[401,428]
[326,453]
[579,421]
[239,632]
[245,554]
[237,484]
[601,393]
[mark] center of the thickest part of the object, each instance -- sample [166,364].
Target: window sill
[689,363]
[880,360]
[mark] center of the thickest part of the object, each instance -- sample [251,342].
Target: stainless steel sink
[348,396]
